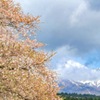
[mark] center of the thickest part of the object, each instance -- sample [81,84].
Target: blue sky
[72,29]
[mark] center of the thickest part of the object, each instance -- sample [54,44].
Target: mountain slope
[83,87]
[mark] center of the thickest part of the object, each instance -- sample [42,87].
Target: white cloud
[63,53]
[73,64]
[78,12]
[73,70]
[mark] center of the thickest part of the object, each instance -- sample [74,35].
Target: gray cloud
[67,23]
[94,5]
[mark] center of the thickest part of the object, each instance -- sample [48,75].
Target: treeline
[75,96]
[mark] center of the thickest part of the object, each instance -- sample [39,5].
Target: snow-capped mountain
[83,87]
[73,70]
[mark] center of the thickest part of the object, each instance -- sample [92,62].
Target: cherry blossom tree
[24,72]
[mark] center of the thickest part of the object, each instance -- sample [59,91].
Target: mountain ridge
[80,87]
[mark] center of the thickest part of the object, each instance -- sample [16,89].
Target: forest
[75,96]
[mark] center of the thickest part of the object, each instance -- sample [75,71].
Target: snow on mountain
[91,83]
[83,87]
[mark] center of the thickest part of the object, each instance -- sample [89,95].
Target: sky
[71,28]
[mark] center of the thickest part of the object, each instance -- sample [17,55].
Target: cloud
[66,23]
[63,53]
[72,29]
[76,71]
[79,11]
[94,5]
